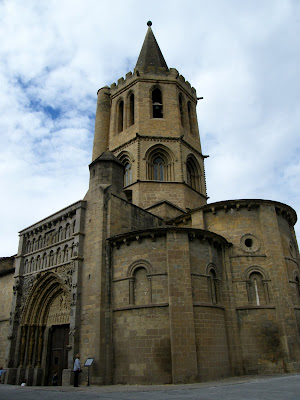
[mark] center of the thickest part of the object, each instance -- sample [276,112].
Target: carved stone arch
[213,266]
[127,159]
[68,230]
[140,285]
[160,163]
[28,246]
[40,242]
[125,156]
[256,268]
[59,255]
[193,172]
[213,283]
[66,253]
[31,267]
[138,264]
[45,289]
[25,267]
[38,263]
[40,297]
[44,260]
[60,234]
[296,275]
[257,285]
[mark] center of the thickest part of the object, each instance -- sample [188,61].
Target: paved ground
[283,387]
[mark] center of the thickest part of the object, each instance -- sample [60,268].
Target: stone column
[182,330]
[102,122]
[281,291]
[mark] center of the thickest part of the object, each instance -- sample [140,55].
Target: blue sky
[242,57]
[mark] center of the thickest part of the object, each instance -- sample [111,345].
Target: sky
[243,57]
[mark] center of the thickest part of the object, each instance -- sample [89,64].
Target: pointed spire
[150,55]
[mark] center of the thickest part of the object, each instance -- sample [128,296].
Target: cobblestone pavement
[283,387]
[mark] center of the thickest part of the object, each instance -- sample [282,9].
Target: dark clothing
[76,369]
[55,380]
[76,376]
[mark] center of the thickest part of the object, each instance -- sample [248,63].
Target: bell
[157,106]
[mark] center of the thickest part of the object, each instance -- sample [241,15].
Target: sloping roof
[106,156]
[150,55]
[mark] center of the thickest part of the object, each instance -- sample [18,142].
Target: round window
[250,243]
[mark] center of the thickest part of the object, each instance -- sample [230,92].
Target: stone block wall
[125,217]
[6,290]
[6,263]
[142,350]
[263,243]
[261,341]
[190,338]
[147,193]
[212,344]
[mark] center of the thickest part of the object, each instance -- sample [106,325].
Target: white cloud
[242,57]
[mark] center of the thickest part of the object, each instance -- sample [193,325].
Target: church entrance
[59,340]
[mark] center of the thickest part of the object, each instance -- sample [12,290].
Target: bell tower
[148,121]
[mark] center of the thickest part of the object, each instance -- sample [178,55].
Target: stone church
[144,276]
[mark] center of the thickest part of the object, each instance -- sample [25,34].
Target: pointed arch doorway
[45,328]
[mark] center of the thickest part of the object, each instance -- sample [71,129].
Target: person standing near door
[77,369]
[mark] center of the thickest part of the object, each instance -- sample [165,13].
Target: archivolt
[256,268]
[42,294]
[138,264]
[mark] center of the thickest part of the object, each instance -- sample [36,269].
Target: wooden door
[58,351]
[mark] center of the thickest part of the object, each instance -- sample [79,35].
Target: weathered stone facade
[144,276]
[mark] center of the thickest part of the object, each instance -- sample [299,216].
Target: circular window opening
[248,242]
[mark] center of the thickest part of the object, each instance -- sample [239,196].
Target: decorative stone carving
[59,312]
[17,287]
[65,273]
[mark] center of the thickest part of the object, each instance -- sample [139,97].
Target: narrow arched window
[58,256]
[131,109]
[141,287]
[157,106]
[192,173]
[32,265]
[38,263]
[44,265]
[181,109]
[120,116]
[26,267]
[127,174]
[39,242]
[257,294]
[28,246]
[66,253]
[213,283]
[191,121]
[51,258]
[68,231]
[158,169]
[60,233]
